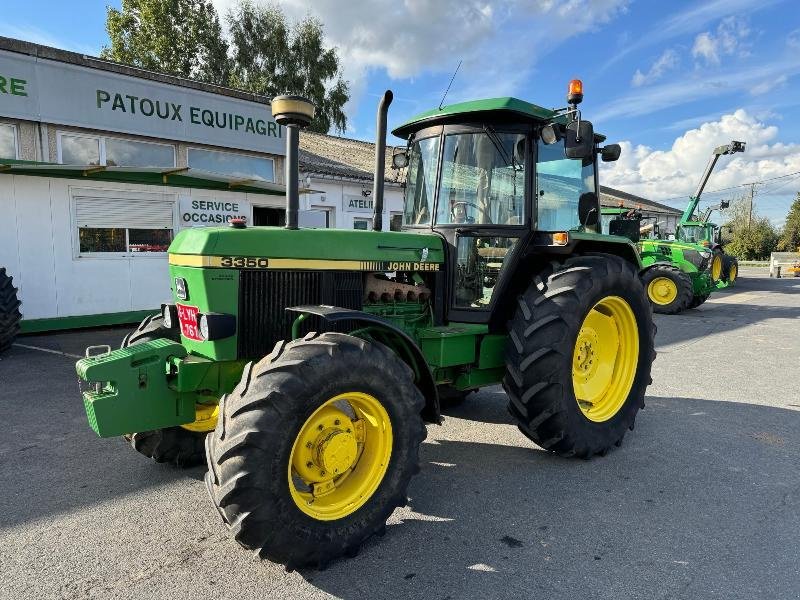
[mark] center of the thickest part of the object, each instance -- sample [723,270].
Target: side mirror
[610,153]
[551,133]
[579,140]
[400,159]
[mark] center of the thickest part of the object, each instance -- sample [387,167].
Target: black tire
[681,281]
[539,355]
[10,315]
[697,300]
[729,261]
[248,452]
[174,445]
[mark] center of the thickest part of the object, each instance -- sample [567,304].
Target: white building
[102,164]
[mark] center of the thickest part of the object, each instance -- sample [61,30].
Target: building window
[123,226]
[235,165]
[361,224]
[113,152]
[8,141]
[396,222]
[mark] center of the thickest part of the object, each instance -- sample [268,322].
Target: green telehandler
[724,267]
[676,275]
[301,365]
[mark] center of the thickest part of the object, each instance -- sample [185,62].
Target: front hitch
[132,390]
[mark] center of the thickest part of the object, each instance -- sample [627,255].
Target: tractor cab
[497,179]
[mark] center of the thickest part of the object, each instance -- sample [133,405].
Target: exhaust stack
[294,113]
[380,160]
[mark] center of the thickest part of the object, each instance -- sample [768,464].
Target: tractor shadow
[51,461]
[703,497]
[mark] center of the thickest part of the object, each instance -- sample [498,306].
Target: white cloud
[769,85]
[650,99]
[689,21]
[666,62]
[498,41]
[662,174]
[730,38]
[793,39]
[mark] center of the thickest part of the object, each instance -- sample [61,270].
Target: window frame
[101,142]
[424,134]
[366,220]
[126,195]
[15,131]
[190,148]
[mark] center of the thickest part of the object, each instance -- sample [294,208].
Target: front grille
[264,296]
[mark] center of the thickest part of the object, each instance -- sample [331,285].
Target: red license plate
[187,316]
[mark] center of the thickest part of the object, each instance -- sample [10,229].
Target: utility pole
[750,212]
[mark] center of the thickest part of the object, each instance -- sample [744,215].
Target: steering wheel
[465,204]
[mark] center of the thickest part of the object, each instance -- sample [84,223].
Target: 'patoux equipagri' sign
[48,91]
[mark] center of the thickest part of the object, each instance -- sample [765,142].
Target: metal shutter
[123,213]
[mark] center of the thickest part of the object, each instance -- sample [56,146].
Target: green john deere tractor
[676,275]
[305,362]
[724,267]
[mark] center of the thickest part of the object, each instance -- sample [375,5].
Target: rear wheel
[579,355]
[315,448]
[10,316]
[731,269]
[668,288]
[182,446]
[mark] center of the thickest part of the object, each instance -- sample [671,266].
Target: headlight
[181,291]
[705,254]
[170,314]
[216,326]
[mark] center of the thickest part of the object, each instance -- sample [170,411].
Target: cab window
[560,182]
[483,179]
[421,182]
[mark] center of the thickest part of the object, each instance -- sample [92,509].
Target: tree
[178,37]
[746,236]
[790,238]
[270,57]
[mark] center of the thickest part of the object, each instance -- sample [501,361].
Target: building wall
[335,196]
[39,247]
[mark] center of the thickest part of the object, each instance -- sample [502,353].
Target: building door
[265,215]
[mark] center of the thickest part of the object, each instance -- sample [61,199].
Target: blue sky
[668,80]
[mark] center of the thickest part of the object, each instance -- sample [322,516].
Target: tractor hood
[305,244]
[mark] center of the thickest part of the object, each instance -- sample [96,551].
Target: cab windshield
[483,179]
[693,233]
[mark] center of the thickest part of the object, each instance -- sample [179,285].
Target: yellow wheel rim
[340,456]
[605,359]
[662,290]
[732,273]
[716,267]
[205,418]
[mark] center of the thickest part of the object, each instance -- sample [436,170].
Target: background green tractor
[499,276]
[724,267]
[676,275]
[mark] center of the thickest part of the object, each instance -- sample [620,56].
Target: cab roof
[500,106]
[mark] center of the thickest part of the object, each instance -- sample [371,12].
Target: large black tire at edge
[174,445]
[539,354]
[681,281]
[10,316]
[248,453]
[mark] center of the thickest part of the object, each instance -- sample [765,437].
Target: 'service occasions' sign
[47,91]
[211,212]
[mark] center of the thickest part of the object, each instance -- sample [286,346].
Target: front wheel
[579,355]
[668,288]
[315,448]
[731,269]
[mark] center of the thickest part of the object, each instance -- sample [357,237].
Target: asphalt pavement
[702,500]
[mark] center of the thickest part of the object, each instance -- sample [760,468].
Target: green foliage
[178,37]
[271,57]
[266,54]
[790,237]
[748,237]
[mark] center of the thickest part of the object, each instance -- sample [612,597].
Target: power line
[733,187]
